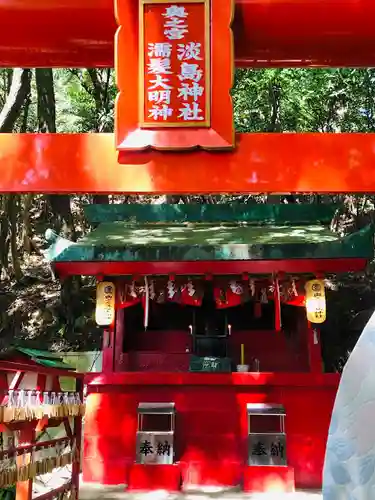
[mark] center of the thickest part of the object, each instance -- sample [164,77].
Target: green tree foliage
[304,100]
[85,100]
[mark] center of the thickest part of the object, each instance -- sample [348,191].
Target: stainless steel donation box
[267,438]
[155,433]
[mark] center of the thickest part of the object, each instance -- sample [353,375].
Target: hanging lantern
[315,301]
[105,303]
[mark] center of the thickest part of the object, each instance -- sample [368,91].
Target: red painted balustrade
[166,351]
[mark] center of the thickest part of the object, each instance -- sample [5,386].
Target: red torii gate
[80,33]
[278,33]
[266,33]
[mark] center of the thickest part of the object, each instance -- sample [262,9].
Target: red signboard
[174,69]
[174,64]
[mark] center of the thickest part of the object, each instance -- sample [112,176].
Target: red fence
[32,402]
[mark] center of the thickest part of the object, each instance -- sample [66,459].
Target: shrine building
[212,367]
[212,372]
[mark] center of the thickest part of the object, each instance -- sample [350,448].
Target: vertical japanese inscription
[175,64]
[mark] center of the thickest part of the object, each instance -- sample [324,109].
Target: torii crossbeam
[68,33]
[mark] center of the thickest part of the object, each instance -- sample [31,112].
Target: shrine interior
[176,331]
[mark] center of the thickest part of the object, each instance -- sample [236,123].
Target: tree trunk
[27,231]
[274,199]
[60,204]
[8,237]
[100,92]
[172,199]
[12,214]
[97,89]
[46,100]
[17,99]
[100,199]
[18,93]
[4,238]
[28,199]
[25,116]
[274,93]
[60,207]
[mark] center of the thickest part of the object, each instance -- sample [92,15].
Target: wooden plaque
[174,67]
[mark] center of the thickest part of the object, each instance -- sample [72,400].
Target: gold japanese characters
[174,65]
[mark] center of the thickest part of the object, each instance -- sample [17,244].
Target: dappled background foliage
[39,311]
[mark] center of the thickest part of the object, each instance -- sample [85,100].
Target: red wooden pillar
[76,464]
[113,337]
[276,297]
[41,382]
[119,341]
[108,349]
[314,349]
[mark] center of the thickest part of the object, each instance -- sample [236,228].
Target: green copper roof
[44,358]
[285,214]
[127,242]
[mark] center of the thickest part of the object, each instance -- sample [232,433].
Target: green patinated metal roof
[123,241]
[43,358]
[52,363]
[285,214]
